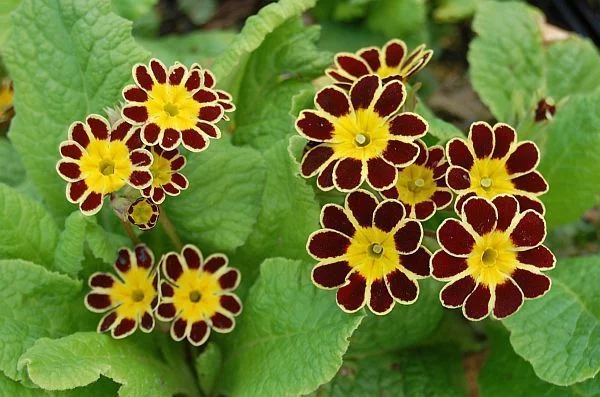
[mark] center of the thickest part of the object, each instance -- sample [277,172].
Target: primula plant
[323,202]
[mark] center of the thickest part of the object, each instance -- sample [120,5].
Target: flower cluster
[370,250]
[196,296]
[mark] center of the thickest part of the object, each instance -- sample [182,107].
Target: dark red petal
[482,138]
[401,287]
[524,159]
[158,195]
[69,170]
[179,328]
[540,257]
[123,261]
[124,327]
[209,79]
[408,237]
[459,154]
[142,77]
[166,290]
[193,140]
[408,125]
[532,182]
[380,173]
[337,77]
[138,114]
[401,153]
[198,333]
[533,285]
[159,71]
[192,257]
[143,256]
[180,181]
[314,159]
[214,263]
[150,134]
[362,205]
[71,150]
[394,50]
[205,96]
[424,210]
[480,214]
[348,174]
[509,299]
[505,136]
[417,262]
[176,75]
[209,129]
[477,305]
[439,174]
[135,94]
[331,275]
[380,301]
[91,204]
[334,217]
[435,156]
[507,207]
[221,322]
[423,152]
[211,113]
[230,279]
[170,139]
[98,126]
[458,178]
[444,265]
[98,301]
[530,231]
[460,200]
[333,101]
[528,203]
[140,179]
[442,198]
[352,297]
[231,303]
[390,99]
[78,134]
[166,310]
[454,238]
[371,56]
[326,244]
[388,214]
[193,80]
[147,323]
[352,65]
[140,158]
[107,322]
[101,280]
[454,294]
[314,127]
[325,179]
[363,91]
[173,267]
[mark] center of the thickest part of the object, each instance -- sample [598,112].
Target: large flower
[390,63]
[370,251]
[421,186]
[492,258]
[166,177]
[359,136]
[130,298]
[143,213]
[173,106]
[491,162]
[97,161]
[198,295]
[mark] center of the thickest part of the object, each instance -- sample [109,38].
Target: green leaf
[570,163]
[13,173]
[37,303]
[559,333]
[289,213]
[133,9]
[518,378]
[338,37]
[395,18]
[221,205]
[283,65]
[69,252]
[102,388]
[507,58]
[573,68]
[104,245]
[199,11]
[208,367]
[454,10]
[79,359]
[403,327]
[28,230]
[57,55]
[285,349]
[6,7]
[438,128]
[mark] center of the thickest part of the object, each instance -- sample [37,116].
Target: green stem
[129,231]
[170,229]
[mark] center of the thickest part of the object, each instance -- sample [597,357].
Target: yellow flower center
[489,178]
[134,294]
[142,212]
[386,71]
[196,296]
[372,253]
[172,106]
[415,184]
[361,135]
[6,99]
[493,258]
[105,166]
[161,170]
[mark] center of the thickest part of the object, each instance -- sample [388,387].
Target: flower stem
[129,231]
[170,229]
[430,234]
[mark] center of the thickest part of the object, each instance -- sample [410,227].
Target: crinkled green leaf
[221,205]
[69,252]
[133,9]
[559,334]
[573,68]
[80,359]
[406,325]
[37,303]
[28,230]
[104,245]
[208,367]
[282,66]
[507,58]
[102,388]
[13,173]
[290,337]
[518,378]
[571,160]
[6,6]
[57,55]
[396,18]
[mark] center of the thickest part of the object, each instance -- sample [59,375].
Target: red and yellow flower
[173,106]
[130,297]
[197,295]
[370,252]
[97,161]
[492,258]
[225,99]
[392,62]
[421,186]
[143,213]
[359,135]
[166,178]
[491,162]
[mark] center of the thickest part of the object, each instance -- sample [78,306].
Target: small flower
[370,252]
[491,162]
[421,186]
[360,137]
[197,295]
[545,110]
[492,258]
[173,106]
[225,99]
[166,177]
[390,63]
[143,213]
[130,298]
[6,101]
[97,161]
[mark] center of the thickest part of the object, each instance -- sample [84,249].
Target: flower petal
[417,262]
[231,303]
[529,231]
[362,205]
[530,203]
[424,210]
[133,93]
[221,323]
[230,279]
[98,302]
[459,154]
[442,198]
[179,329]
[352,65]
[215,262]
[199,333]
[454,238]
[143,256]
[151,134]
[314,159]
[480,214]
[454,293]
[408,237]
[380,300]
[333,101]
[395,51]
[331,275]
[403,289]
[402,154]
[381,174]
[135,114]
[524,159]
[388,215]
[532,182]
[68,170]
[147,322]
[458,179]
[532,284]
[107,322]
[409,125]
[172,267]
[325,244]
[390,99]
[159,71]
[325,178]
[192,256]
[348,174]
[508,208]
[371,57]
[509,299]
[540,257]
[166,311]
[505,137]
[124,328]
[334,217]
[193,140]
[477,305]
[91,204]
[482,139]
[142,77]
[445,266]
[363,91]
[352,296]
[314,127]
